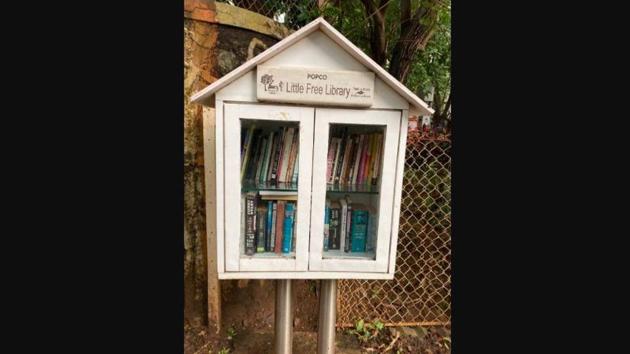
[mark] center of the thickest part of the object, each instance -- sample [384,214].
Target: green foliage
[430,68]
[365,331]
[231,333]
[224,351]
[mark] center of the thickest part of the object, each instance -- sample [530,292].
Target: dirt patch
[433,340]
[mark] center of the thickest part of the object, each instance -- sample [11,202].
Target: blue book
[268,226]
[289,212]
[326,225]
[359,229]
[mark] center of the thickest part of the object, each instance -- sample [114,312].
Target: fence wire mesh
[420,293]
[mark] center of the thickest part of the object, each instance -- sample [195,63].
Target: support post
[284,317]
[327,316]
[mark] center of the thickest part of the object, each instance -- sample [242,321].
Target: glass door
[354,169]
[268,154]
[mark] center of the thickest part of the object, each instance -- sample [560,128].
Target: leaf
[379,325]
[359,325]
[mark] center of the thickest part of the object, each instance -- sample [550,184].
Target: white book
[342,234]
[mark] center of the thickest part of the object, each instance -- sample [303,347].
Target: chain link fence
[420,293]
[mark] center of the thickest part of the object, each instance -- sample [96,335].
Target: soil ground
[430,340]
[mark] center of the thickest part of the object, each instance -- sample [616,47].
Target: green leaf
[359,325]
[379,325]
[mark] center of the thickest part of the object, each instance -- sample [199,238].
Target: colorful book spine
[265,172]
[250,224]
[272,236]
[348,241]
[334,227]
[327,225]
[286,155]
[377,159]
[261,159]
[292,157]
[330,160]
[340,159]
[288,228]
[296,169]
[279,226]
[261,228]
[246,150]
[268,226]
[342,223]
[359,230]
[273,178]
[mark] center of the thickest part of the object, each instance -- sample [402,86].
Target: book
[357,160]
[286,154]
[342,149]
[279,225]
[272,235]
[293,157]
[334,228]
[254,155]
[288,227]
[330,160]
[342,222]
[345,164]
[377,159]
[273,178]
[261,228]
[265,166]
[268,226]
[362,163]
[296,169]
[326,224]
[261,158]
[250,223]
[348,243]
[246,149]
[372,230]
[359,229]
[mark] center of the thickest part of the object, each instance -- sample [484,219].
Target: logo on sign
[268,83]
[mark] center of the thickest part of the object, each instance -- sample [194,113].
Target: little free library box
[305,144]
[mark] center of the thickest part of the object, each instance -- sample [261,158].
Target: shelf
[338,254]
[268,255]
[352,188]
[253,187]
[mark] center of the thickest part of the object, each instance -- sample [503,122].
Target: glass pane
[354,167]
[269,187]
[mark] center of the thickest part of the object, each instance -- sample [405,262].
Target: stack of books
[269,222]
[269,157]
[354,158]
[348,226]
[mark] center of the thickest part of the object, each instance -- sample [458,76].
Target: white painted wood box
[318,87]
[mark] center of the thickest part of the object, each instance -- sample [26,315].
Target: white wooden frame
[233,239]
[323,118]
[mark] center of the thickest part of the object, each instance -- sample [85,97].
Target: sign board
[313,85]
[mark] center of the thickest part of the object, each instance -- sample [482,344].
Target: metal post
[284,316]
[327,317]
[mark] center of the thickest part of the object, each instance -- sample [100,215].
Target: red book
[279,226]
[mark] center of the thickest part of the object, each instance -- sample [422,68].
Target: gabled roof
[330,31]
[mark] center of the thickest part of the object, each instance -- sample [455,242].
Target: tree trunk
[378,40]
[415,34]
